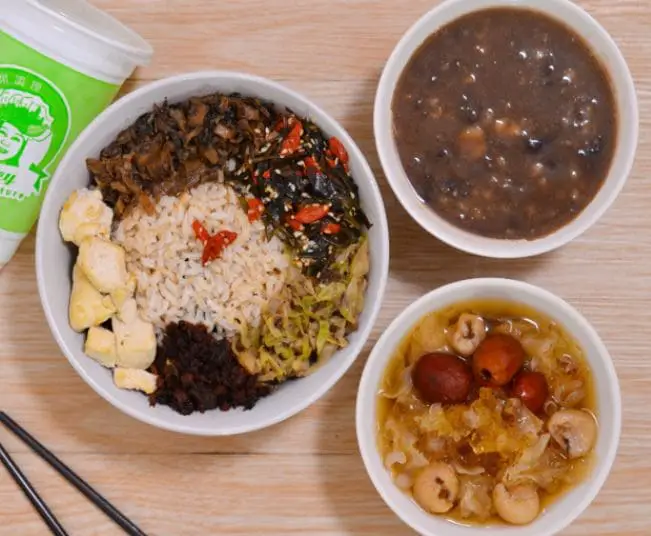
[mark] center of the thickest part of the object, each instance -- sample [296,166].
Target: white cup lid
[77,34]
[98,24]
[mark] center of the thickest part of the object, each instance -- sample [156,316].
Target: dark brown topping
[197,372]
[178,146]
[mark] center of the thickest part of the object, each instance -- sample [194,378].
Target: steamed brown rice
[165,256]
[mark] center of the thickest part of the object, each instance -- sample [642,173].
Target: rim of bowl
[622,85]
[366,404]
[384,245]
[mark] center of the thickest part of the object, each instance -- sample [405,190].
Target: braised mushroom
[436,488]
[518,505]
[574,430]
[467,334]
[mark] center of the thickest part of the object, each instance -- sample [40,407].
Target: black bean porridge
[505,123]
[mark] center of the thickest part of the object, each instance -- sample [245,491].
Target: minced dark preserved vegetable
[198,372]
[178,146]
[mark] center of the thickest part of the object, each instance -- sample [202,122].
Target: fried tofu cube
[87,307]
[85,215]
[101,346]
[122,294]
[135,379]
[128,313]
[136,339]
[103,264]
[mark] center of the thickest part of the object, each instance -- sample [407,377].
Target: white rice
[165,256]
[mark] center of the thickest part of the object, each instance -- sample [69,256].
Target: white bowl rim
[382,224]
[473,243]
[393,335]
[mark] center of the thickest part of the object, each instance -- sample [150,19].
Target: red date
[497,359]
[442,378]
[532,389]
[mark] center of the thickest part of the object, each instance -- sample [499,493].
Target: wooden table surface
[305,476]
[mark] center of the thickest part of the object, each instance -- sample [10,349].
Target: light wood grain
[305,476]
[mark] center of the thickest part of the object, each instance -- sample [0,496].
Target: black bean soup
[505,123]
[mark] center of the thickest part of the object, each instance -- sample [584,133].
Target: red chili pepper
[331,228]
[296,225]
[256,208]
[267,174]
[338,150]
[311,213]
[212,250]
[311,165]
[293,140]
[200,232]
[310,161]
[212,245]
[216,245]
[332,162]
[227,237]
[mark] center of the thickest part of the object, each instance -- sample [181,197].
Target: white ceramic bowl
[627,123]
[54,258]
[564,510]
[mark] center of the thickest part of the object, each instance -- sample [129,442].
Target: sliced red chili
[216,245]
[255,210]
[338,150]
[331,228]
[311,165]
[212,250]
[311,213]
[200,232]
[267,174]
[293,140]
[310,161]
[212,245]
[294,224]
[227,237]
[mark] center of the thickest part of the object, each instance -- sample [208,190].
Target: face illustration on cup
[12,143]
[27,130]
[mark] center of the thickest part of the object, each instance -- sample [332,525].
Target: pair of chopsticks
[37,502]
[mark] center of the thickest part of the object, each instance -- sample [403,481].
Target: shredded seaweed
[310,199]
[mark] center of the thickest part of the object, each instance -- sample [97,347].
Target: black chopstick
[38,504]
[128,526]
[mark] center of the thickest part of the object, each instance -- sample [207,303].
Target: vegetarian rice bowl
[222,252]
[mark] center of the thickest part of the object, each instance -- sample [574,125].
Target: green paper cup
[61,63]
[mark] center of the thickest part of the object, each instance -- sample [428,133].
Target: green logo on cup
[34,125]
